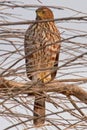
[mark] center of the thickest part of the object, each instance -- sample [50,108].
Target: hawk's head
[44,13]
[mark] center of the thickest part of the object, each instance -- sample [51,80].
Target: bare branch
[83,18]
[30,88]
[66,100]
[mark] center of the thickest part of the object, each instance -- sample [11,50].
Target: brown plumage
[42,48]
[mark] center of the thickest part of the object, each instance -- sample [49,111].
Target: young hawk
[42,47]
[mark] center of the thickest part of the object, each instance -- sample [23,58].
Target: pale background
[29,14]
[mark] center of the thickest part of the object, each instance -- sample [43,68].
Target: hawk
[42,47]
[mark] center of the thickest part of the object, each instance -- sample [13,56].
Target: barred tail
[39,110]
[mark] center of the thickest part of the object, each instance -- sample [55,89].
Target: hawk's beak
[39,13]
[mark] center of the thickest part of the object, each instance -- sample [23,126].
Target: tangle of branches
[66,96]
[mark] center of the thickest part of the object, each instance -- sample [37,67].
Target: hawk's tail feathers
[39,110]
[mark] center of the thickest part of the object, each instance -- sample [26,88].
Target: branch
[11,87]
[83,18]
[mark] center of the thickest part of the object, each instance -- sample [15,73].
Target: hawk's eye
[43,11]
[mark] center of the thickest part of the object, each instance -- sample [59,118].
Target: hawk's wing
[53,74]
[28,52]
